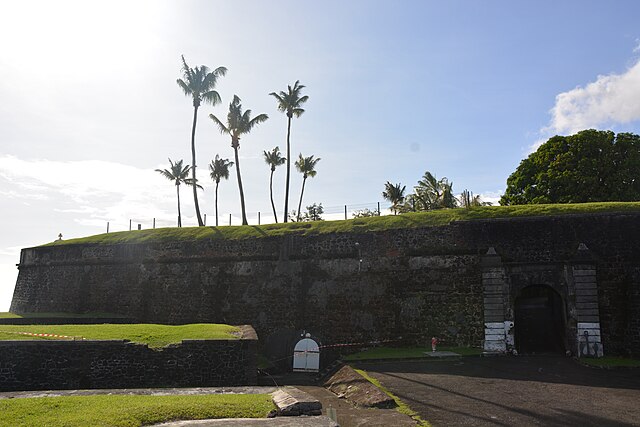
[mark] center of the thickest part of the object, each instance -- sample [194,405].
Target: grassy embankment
[611,362]
[155,336]
[407,352]
[129,411]
[409,220]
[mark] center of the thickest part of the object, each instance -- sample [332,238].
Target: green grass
[154,335]
[9,315]
[402,407]
[611,362]
[129,411]
[409,220]
[407,352]
[91,315]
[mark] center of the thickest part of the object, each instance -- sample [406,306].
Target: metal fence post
[205,219]
[129,225]
[345,211]
[378,208]
[107,226]
[229,219]
[154,223]
[258,217]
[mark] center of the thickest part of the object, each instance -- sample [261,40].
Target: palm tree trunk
[301,193]
[193,165]
[179,216]
[273,206]
[244,215]
[217,182]
[286,191]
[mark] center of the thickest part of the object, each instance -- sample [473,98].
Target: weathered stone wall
[413,283]
[57,365]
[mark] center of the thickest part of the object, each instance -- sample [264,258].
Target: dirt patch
[347,383]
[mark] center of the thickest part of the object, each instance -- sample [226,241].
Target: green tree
[290,102]
[273,159]
[394,193]
[179,175]
[306,166]
[238,124]
[199,84]
[590,166]
[219,169]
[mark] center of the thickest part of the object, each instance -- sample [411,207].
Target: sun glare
[59,35]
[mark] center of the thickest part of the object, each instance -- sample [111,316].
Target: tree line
[199,84]
[430,193]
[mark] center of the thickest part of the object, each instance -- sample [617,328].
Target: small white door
[306,356]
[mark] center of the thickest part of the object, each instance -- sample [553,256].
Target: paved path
[508,391]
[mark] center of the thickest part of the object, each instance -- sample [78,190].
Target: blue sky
[464,89]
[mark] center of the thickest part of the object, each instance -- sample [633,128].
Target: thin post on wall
[154,223]
[129,225]
[345,211]
[258,217]
[107,226]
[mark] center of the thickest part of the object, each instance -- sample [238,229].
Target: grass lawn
[129,411]
[409,220]
[154,335]
[402,407]
[407,352]
[611,362]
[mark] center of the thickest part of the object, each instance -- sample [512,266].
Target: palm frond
[185,87]
[221,126]
[212,97]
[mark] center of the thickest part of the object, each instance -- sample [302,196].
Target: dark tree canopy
[590,166]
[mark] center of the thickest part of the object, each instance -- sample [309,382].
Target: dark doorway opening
[539,321]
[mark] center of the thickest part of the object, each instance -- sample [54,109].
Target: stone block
[291,401]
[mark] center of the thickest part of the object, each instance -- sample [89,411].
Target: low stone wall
[59,365]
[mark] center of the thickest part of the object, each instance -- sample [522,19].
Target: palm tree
[468,200]
[219,169]
[290,102]
[431,193]
[306,166]
[395,194]
[178,174]
[199,83]
[273,159]
[238,123]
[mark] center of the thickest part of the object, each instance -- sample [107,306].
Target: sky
[89,105]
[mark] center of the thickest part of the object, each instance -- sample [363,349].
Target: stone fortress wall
[459,281]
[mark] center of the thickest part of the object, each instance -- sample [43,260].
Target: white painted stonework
[494,337]
[590,344]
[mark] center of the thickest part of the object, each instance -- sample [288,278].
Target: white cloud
[609,100]
[92,191]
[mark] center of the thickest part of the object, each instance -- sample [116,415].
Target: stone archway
[539,321]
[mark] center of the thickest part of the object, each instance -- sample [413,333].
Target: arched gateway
[543,306]
[539,321]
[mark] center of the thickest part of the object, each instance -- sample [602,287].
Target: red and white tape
[42,335]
